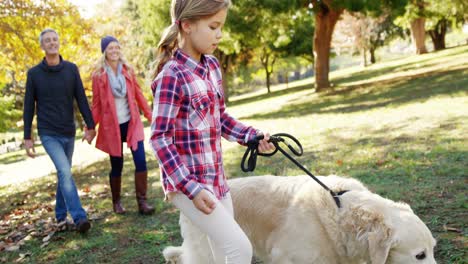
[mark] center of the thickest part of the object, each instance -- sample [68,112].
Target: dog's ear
[365,219]
[379,246]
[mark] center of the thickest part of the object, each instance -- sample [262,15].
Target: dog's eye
[421,256]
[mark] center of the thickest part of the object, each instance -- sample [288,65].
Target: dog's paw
[173,255]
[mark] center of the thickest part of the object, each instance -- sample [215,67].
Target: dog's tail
[173,255]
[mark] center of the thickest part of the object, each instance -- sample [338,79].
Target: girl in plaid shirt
[189,119]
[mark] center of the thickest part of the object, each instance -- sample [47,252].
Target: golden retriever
[293,220]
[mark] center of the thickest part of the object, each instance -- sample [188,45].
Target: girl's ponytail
[165,48]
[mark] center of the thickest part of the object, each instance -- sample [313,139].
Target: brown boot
[141,182]
[115,184]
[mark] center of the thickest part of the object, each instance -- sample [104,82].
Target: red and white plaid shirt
[189,119]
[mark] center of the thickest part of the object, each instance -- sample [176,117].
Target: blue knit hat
[105,41]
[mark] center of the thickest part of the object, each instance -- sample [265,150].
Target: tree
[416,19]
[364,33]
[442,15]
[382,32]
[145,22]
[269,30]
[8,113]
[326,16]
[20,24]
[327,13]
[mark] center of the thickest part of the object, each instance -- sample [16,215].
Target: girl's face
[204,35]
[113,52]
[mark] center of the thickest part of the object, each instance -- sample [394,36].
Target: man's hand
[89,135]
[29,146]
[204,203]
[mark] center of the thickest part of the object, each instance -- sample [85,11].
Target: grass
[400,127]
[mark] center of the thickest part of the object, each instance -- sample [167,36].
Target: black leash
[252,153]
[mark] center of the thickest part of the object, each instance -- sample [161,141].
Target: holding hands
[89,135]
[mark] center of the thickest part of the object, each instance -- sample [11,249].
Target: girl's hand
[264,146]
[204,203]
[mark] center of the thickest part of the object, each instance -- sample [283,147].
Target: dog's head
[412,240]
[393,233]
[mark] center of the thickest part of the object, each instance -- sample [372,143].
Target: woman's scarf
[117,81]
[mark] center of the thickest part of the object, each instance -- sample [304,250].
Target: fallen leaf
[22,257]
[48,237]
[16,236]
[380,162]
[95,217]
[12,248]
[44,244]
[18,212]
[86,189]
[452,229]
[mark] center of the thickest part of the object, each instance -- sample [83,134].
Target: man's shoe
[83,226]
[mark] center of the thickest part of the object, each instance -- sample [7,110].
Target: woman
[117,99]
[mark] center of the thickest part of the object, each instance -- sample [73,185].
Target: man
[51,88]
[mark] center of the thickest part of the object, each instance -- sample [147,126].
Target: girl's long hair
[181,10]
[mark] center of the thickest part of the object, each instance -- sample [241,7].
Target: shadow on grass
[16,157]
[412,65]
[377,95]
[271,95]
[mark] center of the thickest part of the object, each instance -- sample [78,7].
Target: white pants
[228,242]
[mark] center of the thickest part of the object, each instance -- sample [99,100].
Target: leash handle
[280,137]
[250,155]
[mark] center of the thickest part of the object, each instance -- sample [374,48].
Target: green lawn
[400,127]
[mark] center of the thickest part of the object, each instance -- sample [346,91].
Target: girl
[117,99]
[189,119]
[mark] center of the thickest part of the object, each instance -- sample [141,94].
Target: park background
[375,90]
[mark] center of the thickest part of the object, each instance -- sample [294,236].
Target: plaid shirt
[189,119]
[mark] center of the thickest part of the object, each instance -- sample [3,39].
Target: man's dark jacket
[51,91]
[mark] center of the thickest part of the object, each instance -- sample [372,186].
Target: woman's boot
[115,184]
[141,182]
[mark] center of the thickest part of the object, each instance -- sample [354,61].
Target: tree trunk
[325,21]
[438,34]
[265,60]
[364,57]
[418,35]
[267,80]
[372,55]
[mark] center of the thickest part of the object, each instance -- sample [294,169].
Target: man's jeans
[60,150]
